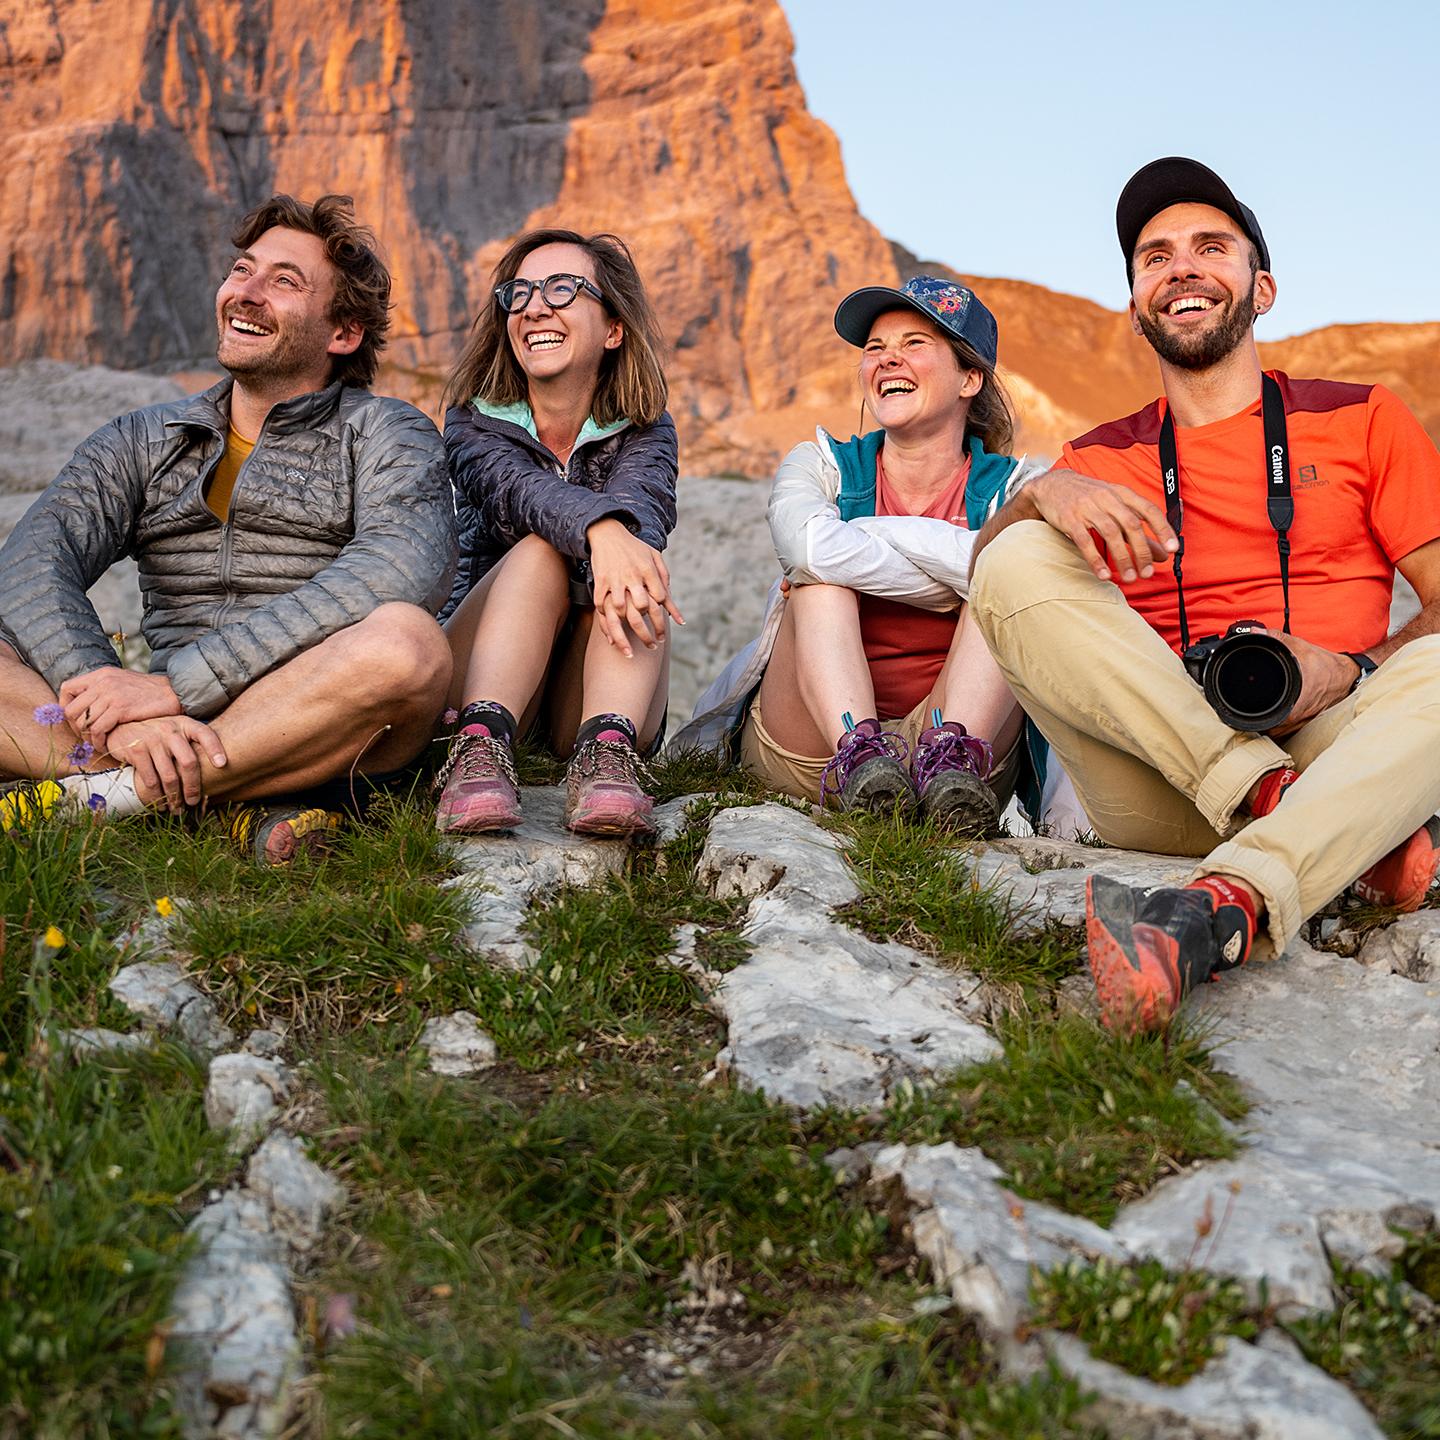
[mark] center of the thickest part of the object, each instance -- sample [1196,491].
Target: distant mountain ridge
[138,131]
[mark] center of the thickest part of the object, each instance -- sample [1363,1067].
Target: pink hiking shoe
[602,789]
[479,791]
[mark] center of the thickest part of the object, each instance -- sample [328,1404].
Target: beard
[292,349]
[1205,348]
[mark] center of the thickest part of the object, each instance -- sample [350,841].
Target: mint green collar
[519,414]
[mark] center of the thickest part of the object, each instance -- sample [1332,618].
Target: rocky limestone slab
[1409,947]
[503,875]
[457,1045]
[1342,1066]
[753,849]
[83,1043]
[1249,1392]
[159,992]
[235,1331]
[1044,880]
[818,1014]
[244,1094]
[979,1238]
[299,1194]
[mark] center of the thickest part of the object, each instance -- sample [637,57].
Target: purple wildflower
[50,714]
[82,754]
[97,804]
[451,716]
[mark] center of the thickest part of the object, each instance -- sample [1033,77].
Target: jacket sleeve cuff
[199,692]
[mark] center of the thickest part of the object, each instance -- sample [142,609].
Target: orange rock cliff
[138,131]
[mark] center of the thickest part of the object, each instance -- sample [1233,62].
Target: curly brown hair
[362,281]
[631,384]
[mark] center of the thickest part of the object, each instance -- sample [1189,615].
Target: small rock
[849,1166]
[82,1043]
[457,1044]
[1360,1240]
[754,849]
[245,1093]
[1410,947]
[300,1194]
[268,1043]
[160,992]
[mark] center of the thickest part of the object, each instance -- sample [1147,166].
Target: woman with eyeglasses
[564,462]
[869,686]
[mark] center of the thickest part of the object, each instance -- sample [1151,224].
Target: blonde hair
[631,385]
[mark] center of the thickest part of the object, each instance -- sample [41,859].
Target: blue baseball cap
[956,310]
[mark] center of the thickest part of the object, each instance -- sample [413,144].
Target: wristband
[1366,664]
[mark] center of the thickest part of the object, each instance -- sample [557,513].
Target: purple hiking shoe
[868,771]
[479,791]
[950,768]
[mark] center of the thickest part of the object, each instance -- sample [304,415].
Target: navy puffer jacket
[508,485]
[343,505]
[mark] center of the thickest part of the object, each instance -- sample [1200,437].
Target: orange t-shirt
[1366,482]
[905,645]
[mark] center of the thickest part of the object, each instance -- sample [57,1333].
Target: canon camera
[1251,679]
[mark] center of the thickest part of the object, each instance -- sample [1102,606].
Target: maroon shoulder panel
[1320,395]
[1141,428]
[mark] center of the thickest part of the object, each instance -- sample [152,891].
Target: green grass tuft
[1163,1326]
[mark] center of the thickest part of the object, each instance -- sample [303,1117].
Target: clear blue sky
[997,136]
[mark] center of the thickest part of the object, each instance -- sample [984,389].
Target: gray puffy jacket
[343,505]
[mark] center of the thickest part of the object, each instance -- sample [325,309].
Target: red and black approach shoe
[1148,950]
[1273,785]
[1402,879]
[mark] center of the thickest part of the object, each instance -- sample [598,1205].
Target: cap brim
[1175,180]
[858,311]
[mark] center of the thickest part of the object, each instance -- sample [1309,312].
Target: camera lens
[1252,682]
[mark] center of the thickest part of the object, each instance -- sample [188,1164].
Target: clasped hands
[1137,537]
[136,719]
[631,587]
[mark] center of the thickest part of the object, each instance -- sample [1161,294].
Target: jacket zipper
[227,527]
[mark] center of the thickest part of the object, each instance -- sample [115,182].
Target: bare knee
[397,653]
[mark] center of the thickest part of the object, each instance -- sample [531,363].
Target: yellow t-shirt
[222,483]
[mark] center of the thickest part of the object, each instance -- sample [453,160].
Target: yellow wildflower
[164,907]
[55,937]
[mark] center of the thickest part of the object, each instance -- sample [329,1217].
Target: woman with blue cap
[869,686]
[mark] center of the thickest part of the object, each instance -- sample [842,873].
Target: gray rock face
[235,1322]
[1044,880]
[819,1014]
[160,993]
[503,875]
[457,1044]
[89,1041]
[1343,1067]
[1410,947]
[245,1093]
[1249,1392]
[299,1193]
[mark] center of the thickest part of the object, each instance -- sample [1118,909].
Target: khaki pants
[1156,769]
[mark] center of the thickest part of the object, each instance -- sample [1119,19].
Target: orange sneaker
[1148,950]
[1402,879]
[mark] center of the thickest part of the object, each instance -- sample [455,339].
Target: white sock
[110,794]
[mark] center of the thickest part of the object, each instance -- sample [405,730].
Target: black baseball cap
[1174,181]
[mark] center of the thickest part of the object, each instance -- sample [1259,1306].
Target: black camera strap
[1279,502]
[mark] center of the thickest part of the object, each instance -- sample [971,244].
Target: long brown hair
[631,384]
[992,412]
[362,283]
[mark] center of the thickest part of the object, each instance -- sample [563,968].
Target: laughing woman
[564,463]
[869,685]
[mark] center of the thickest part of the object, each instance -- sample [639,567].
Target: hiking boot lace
[951,750]
[478,757]
[858,746]
[610,760]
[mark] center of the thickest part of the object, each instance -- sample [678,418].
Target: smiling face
[273,314]
[910,376]
[568,343]
[1196,292]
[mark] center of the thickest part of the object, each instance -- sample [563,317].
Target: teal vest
[984,494]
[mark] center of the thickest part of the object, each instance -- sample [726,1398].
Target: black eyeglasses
[557,291]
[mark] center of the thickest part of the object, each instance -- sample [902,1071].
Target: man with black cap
[1240,495]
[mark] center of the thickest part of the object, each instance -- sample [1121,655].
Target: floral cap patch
[952,306]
